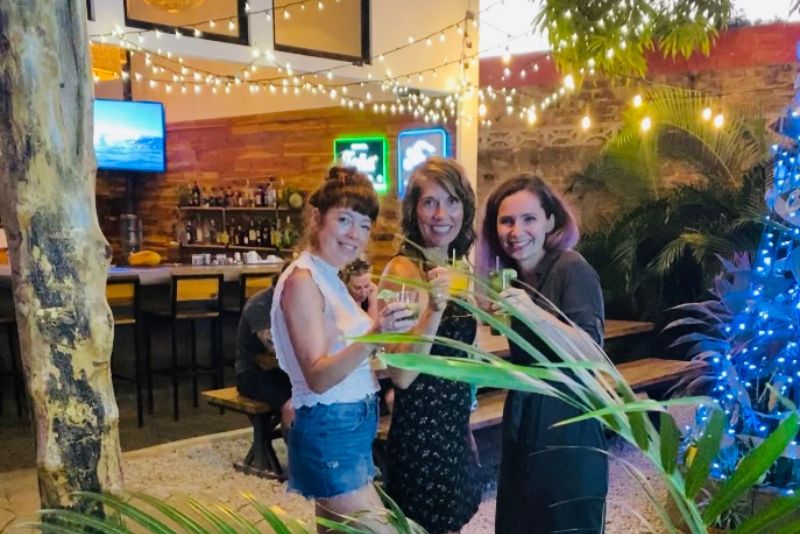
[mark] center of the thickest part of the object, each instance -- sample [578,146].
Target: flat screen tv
[129,136]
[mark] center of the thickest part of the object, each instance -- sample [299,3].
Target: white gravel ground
[204,471]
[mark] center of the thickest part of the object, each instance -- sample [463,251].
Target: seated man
[357,276]
[257,373]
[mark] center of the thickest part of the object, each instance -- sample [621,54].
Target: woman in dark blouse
[552,479]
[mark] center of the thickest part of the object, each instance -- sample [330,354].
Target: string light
[646,124]
[706,114]
[719,121]
[637,101]
[586,122]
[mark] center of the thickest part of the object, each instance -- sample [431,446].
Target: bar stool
[249,285]
[193,297]
[14,374]
[122,293]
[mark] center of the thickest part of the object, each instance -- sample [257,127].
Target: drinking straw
[454,257]
[497,263]
[403,293]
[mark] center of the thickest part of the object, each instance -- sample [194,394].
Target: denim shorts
[330,448]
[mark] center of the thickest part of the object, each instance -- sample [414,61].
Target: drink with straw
[459,277]
[409,297]
[499,280]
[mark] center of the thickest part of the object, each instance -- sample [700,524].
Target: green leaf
[150,523]
[636,406]
[270,516]
[173,513]
[778,510]
[752,467]
[670,439]
[73,519]
[212,517]
[707,449]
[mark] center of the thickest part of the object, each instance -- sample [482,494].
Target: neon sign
[367,154]
[414,147]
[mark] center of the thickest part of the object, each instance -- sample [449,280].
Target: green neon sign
[368,154]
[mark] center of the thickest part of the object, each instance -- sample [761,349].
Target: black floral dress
[431,469]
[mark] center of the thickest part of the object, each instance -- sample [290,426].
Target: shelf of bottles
[263,218]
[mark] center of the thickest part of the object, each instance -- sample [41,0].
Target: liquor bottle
[245,236]
[223,236]
[279,192]
[189,234]
[251,233]
[240,199]
[204,201]
[258,234]
[239,235]
[198,231]
[196,195]
[259,197]
[248,195]
[264,242]
[271,195]
[213,236]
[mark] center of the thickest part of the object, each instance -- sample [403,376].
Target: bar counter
[149,276]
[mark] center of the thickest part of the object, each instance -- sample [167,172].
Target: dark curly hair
[453,178]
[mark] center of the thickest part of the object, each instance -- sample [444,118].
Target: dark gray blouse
[568,281]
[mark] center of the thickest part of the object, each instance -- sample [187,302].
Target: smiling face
[522,227]
[343,234]
[358,286]
[440,215]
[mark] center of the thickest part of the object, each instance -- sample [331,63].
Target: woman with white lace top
[333,388]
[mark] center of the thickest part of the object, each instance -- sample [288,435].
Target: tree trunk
[58,254]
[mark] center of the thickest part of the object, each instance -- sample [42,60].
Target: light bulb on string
[706,113]
[646,124]
[719,121]
[586,122]
[637,100]
[506,56]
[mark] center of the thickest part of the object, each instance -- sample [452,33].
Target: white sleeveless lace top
[343,317]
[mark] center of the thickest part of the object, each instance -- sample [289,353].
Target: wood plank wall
[294,146]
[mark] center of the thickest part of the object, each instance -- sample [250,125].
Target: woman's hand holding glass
[439,279]
[397,316]
[517,298]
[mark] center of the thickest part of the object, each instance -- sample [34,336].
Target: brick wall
[296,147]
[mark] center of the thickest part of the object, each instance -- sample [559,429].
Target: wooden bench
[642,375]
[261,459]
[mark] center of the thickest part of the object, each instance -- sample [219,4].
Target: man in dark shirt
[257,373]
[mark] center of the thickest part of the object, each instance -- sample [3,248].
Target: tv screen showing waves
[129,136]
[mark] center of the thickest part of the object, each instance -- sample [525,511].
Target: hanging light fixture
[174,6]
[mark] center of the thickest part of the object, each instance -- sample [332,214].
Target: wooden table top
[614,329]
[163,273]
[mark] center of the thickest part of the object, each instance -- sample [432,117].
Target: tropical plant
[138,512]
[583,376]
[612,37]
[663,247]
